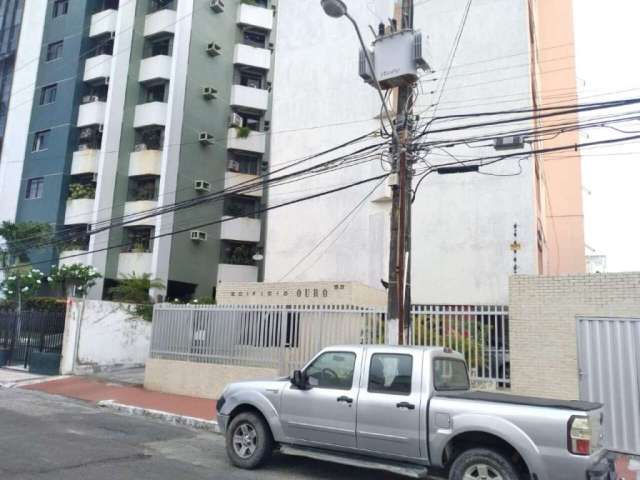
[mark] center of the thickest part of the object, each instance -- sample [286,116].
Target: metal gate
[21,334]
[609,367]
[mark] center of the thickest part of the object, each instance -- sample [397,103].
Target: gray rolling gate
[609,369]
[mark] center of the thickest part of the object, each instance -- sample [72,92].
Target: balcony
[84,161]
[249,98]
[79,211]
[157,67]
[253,16]
[138,263]
[241,229]
[162,21]
[92,113]
[231,179]
[133,210]
[75,256]
[98,68]
[237,273]
[145,162]
[252,56]
[150,114]
[103,23]
[256,142]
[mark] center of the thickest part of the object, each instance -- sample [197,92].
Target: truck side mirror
[299,380]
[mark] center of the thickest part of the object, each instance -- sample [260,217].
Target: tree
[19,238]
[22,284]
[74,279]
[135,289]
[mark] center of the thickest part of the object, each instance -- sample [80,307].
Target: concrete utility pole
[399,294]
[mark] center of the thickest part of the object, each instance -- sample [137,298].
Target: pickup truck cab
[410,410]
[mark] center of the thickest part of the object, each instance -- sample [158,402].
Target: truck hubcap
[481,471]
[245,440]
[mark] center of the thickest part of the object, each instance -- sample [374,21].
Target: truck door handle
[407,405]
[345,399]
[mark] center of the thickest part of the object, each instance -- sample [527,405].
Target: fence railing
[284,338]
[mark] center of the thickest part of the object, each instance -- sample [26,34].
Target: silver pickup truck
[409,410]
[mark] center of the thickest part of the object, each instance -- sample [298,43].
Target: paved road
[48,437]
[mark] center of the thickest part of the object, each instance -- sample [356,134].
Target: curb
[31,381]
[167,417]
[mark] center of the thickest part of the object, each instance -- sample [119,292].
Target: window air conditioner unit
[217,5]
[508,143]
[209,93]
[214,49]
[140,147]
[198,236]
[202,186]
[236,120]
[234,166]
[205,138]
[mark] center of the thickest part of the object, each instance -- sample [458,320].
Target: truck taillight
[580,436]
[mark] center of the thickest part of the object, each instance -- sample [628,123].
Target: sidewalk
[132,399]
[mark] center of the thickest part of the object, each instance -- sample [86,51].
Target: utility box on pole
[396,57]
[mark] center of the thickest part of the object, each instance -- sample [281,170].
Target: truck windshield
[450,374]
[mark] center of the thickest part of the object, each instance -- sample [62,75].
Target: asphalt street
[46,436]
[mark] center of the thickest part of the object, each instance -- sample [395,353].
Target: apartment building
[470,231]
[138,104]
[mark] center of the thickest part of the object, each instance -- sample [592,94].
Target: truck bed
[521,400]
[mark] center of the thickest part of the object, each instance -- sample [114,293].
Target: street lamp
[337,9]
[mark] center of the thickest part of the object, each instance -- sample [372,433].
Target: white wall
[20,103]
[463,224]
[99,335]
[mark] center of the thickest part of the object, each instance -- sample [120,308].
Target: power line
[216,222]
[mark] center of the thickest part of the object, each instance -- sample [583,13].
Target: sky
[607,41]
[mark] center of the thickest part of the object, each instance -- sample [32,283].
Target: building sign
[310,293]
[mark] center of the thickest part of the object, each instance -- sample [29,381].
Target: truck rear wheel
[482,464]
[248,440]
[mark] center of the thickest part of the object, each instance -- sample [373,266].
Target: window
[54,50]
[48,94]
[138,239]
[390,373]
[35,187]
[41,140]
[244,164]
[332,370]
[155,93]
[253,38]
[60,7]
[143,188]
[158,46]
[450,374]
[249,79]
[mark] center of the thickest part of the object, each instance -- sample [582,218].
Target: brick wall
[542,319]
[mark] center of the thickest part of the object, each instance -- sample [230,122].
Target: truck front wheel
[249,441]
[482,464]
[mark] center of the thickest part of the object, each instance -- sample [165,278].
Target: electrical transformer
[396,58]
